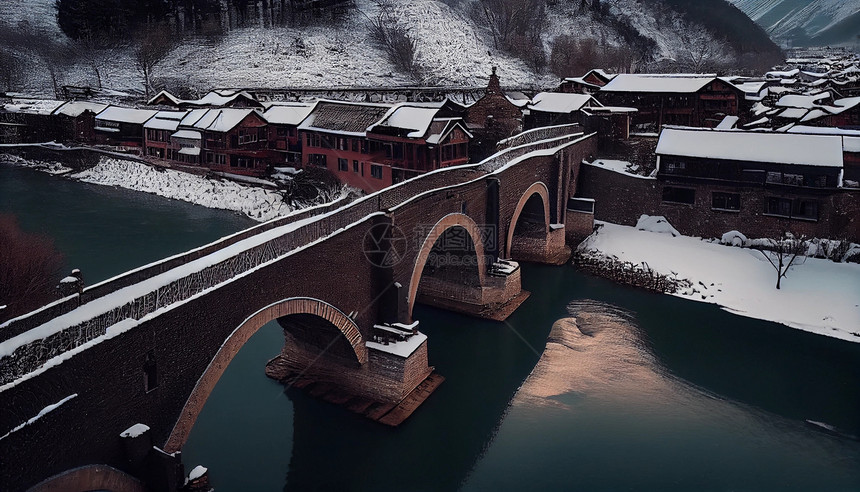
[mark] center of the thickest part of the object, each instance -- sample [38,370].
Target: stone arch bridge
[79,376]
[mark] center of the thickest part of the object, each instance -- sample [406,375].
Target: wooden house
[223,98]
[121,127]
[77,119]
[558,108]
[284,119]
[673,99]
[157,132]
[412,140]
[587,84]
[234,141]
[29,121]
[769,174]
[334,136]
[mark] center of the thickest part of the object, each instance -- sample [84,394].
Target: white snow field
[257,203]
[817,295]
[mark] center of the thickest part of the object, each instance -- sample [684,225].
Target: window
[798,208]
[150,372]
[725,201]
[355,145]
[247,136]
[342,164]
[779,206]
[317,160]
[355,166]
[674,167]
[242,162]
[342,144]
[679,195]
[376,171]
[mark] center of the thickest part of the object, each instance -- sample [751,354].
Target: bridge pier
[551,249]
[497,298]
[388,387]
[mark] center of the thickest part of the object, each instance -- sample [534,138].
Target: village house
[673,99]
[157,132]
[233,141]
[558,108]
[121,127]
[29,121]
[759,183]
[587,84]
[284,119]
[77,119]
[334,136]
[412,140]
[493,117]
[223,98]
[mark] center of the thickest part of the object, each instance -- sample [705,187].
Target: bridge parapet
[538,134]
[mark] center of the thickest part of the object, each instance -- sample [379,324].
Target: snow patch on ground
[256,203]
[817,296]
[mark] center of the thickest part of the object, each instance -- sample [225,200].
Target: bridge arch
[444,224]
[210,377]
[538,189]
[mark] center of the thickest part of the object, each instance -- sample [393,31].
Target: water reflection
[601,411]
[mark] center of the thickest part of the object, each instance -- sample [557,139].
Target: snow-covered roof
[793,113]
[441,127]
[802,101]
[77,108]
[728,123]
[667,83]
[777,74]
[32,106]
[165,120]
[222,120]
[216,98]
[778,148]
[406,117]
[518,99]
[189,134]
[347,118]
[193,117]
[560,102]
[287,114]
[126,115]
[751,88]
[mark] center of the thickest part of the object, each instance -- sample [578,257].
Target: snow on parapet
[401,349]
[777,148]
[42,413]
[197,472]
[135,430]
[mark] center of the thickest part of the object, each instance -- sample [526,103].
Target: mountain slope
[804,22]
[453,47]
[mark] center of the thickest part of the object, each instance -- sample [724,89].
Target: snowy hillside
[800,21]
[451,49]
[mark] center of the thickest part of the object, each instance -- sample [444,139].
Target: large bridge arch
[539,189]
[445,223]
[210,377]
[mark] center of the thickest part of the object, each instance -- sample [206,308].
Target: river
[634,391]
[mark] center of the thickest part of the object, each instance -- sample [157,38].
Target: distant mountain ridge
[806,22]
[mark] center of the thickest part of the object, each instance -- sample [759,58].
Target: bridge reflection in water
[155,341]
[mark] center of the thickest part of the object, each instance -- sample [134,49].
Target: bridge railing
[538,134]
[25,355]
[28,321]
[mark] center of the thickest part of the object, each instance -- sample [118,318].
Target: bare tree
[394,37]
[151,46]
[783,252]
[29,269]
[701,51]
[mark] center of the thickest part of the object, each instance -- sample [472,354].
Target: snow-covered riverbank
[257,203]
[817,295]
